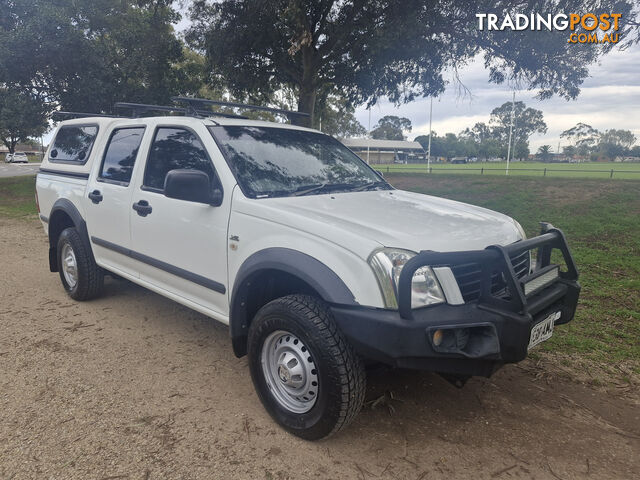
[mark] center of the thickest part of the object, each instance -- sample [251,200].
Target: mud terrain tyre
[308,377]
[81,277]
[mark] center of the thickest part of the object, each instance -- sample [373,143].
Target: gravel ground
[135,386]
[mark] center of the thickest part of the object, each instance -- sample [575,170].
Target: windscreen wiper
[305,189]
[368,185]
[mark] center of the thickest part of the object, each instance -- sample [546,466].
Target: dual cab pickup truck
[314,261]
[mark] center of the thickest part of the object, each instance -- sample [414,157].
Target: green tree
[614,143]
[437,144]
[521,150]
[527,121]
[488,144]
[452,146]
[479,133]
[336,117]
[583,136]
[570,151]
[544,153]
[391,127]
[21,116]
[624,139]
[86,54]
[384,48]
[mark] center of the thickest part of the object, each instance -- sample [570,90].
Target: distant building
[32,151]
[22,147]
[387,151]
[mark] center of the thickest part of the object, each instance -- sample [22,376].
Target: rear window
[73,144]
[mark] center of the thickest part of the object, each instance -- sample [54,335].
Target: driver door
[181,245]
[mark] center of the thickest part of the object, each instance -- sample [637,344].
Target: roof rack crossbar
[193,102]
[138,108]
[63,114]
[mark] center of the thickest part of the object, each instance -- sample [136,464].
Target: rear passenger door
[181,245]
[109,200]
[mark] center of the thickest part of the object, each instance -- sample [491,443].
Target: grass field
[17,196]
[600,218]
[591,170]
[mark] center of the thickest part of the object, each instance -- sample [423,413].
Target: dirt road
[135,386]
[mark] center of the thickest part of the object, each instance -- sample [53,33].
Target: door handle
[95,196]
[142,207]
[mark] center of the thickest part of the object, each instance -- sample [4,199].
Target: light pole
[369,136]
[429,147]
[513,108]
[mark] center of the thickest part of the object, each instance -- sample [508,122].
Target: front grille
[468,276]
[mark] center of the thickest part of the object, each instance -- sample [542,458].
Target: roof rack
[195,102]
[139,108]
[194,107]
[63,115]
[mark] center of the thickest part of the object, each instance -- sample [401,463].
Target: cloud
[609,98]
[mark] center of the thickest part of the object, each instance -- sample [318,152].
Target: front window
[276,162]
[175,148]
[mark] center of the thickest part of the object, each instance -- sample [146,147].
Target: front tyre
[306,374]
[81,277]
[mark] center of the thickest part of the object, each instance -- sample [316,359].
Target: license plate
[543,330]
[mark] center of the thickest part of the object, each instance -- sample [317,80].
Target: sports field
[595,170]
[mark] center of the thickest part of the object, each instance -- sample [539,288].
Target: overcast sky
[609,98]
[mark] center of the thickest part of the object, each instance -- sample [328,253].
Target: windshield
[276,162]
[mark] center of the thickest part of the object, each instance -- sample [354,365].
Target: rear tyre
[81,277]
[307,375]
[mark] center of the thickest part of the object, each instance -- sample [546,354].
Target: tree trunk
[307,93]
[306,104]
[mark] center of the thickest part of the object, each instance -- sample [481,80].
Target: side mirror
[192,186]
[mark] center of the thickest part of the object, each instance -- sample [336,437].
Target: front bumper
[497,328]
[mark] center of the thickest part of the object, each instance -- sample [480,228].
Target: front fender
[328,285]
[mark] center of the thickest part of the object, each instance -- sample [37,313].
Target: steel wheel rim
[290,371]
[69,266]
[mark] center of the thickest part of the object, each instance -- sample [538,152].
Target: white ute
[314,261]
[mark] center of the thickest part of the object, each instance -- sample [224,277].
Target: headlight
[387,265]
